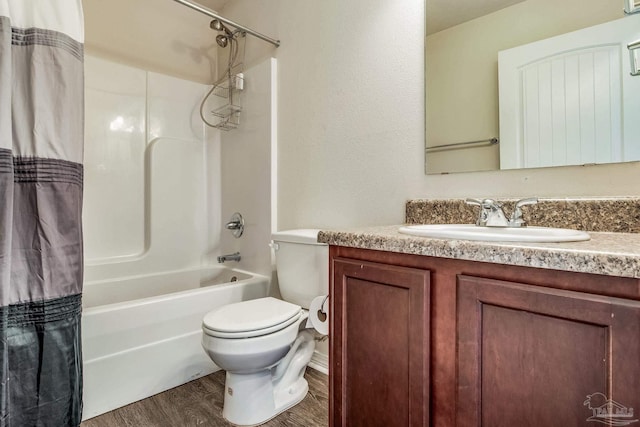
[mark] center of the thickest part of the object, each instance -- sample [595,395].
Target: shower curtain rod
[211,13]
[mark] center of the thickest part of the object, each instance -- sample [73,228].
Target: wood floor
[199,403]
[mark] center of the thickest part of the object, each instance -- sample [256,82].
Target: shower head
[222,40]
[217,25]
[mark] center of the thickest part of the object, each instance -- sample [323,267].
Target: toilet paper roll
[319,314]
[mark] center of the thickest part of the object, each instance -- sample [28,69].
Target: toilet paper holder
[322,315]
[318,316]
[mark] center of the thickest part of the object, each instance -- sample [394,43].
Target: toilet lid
[246,318]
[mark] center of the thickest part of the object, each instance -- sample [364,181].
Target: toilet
[266,344]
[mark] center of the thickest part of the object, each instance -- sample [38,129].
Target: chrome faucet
[492,214]
[230,257]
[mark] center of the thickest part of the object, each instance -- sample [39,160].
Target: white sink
[495,234]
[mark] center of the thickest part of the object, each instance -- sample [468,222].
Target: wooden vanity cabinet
[505,345]
[380,350]
[531,355]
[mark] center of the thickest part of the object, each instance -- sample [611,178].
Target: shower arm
[212,14]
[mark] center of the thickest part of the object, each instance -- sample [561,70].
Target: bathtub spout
[230,257]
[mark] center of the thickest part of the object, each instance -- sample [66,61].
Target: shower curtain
[41,148]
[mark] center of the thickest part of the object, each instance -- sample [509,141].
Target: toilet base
[255,398]
[250,399]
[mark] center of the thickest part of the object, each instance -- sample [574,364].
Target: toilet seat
[251,318]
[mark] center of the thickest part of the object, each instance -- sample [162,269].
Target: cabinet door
[535,356]
[379,345]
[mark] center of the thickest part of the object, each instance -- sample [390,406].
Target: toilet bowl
[257,359]
[266,344]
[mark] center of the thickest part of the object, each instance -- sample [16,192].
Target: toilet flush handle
[274,245]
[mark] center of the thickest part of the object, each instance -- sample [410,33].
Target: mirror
[461,71]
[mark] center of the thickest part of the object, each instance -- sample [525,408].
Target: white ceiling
[442,14]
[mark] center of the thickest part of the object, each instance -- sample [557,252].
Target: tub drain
[234,279]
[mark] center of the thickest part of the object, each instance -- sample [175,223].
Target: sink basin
[495,234]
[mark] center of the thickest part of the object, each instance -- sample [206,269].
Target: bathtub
[141,335]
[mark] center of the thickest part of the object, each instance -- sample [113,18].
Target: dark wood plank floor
[199,403]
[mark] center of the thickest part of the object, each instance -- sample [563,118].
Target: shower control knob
[236,225]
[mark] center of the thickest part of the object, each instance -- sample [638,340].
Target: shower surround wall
[248,170]
[145,206]
[161,185]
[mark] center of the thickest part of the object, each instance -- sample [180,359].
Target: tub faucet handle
[233,225]
[236,225]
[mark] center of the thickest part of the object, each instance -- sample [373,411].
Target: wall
[247,175]
[351,108]
[350,97]
[462,72]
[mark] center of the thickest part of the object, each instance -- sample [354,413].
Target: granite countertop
[613,254]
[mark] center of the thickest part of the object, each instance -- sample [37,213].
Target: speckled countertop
[613,254]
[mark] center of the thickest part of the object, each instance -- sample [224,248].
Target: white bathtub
[141,335]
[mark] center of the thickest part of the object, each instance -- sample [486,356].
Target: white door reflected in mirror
[461,79]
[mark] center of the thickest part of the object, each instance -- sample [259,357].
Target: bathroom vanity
[431,332]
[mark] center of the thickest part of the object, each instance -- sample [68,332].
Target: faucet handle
[516,219]
[483,213]
[236,225]
[476,202]
[527,201]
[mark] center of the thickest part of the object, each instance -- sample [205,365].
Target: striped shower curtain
[41,148]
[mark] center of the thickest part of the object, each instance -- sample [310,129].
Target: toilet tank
[302,265]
